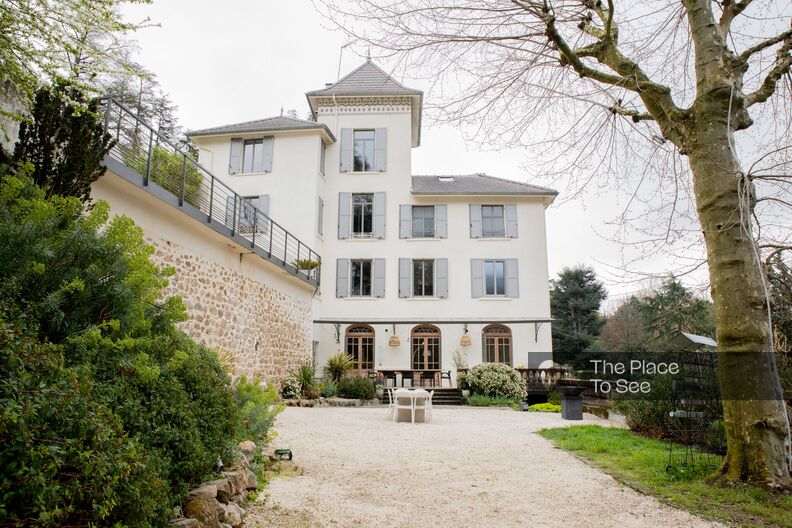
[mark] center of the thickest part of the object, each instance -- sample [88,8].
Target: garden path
[470,467]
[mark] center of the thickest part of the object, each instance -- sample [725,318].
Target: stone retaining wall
[266,331]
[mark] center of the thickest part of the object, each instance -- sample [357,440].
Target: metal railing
[163,162]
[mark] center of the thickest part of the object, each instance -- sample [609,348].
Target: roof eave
[323,130]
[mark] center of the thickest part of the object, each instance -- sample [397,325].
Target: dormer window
[446,179]
[364,151]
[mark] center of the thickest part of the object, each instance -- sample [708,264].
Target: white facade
[297,189]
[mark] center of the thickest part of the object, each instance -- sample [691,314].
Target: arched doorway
[425,341]
[360,345]
[497,344]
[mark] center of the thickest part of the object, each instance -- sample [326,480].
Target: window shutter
[475,220]
[320,217]
[441,278]
[379,215]
[235,161]
[380,149]
[405,221]
[441,221]
[266,164]
[247,211]
[512,279]
[476,278]
[347,149]
[229,212]
[404,277]
[510,212]
[342,277]
[262,203]
[322,156]
[378,277]
[344,215]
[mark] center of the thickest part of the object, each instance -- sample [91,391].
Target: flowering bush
[291,388]
[496,380]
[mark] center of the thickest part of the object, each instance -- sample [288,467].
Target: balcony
[171,172]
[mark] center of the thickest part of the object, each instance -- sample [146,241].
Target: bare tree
[623,92]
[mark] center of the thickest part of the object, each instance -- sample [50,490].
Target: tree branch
[782,66]
[745,55]
[731,10]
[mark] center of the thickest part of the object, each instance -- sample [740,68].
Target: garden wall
[239,303]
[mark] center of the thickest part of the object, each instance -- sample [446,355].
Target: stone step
[442,396]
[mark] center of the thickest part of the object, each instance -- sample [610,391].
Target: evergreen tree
[64,143]
[575,299]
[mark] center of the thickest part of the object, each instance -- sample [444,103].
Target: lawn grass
[640,463]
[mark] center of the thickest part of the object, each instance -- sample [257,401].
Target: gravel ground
[470,467]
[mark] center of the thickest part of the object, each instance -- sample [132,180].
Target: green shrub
[291,388]
[258,406]
[328,390]
[554,398]
[357,388]
[496,380]
[650,415]
[338,365]
[166,170]
[110,413]
[545,407]
[477,400]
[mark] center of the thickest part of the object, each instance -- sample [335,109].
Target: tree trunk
[757,429]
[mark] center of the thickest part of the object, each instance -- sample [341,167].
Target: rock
[204,509]
[248,450]
[186,523]
[207,490]
[224,491]
[251,480]
[233,514]
[237,481]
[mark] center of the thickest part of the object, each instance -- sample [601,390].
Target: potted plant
[307,265]
[462,384]
[380,388]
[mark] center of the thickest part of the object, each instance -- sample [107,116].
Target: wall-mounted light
[465,340]
[394,339]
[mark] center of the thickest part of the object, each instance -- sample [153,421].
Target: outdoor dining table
[415,413]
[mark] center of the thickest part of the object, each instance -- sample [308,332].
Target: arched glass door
[425,348]
[360,345]
[497,344]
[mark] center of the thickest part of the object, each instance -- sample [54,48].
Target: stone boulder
[237,481]
[251,480]
[224,491]
[203,509]
[248,450]
[232,514]
[186,523]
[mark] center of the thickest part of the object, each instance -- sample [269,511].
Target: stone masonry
[266,332]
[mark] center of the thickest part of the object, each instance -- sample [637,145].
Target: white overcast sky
[237,60]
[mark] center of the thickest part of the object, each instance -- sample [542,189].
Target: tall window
[253,156]
[423,222]
[425,348]
[360,345]
[362,215]
[364,151]
[494,277]
[497,344]
[322,156]
[361,278]
[423,278]
[492,221]
[320,217]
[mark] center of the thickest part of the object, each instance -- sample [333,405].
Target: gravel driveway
[470,467]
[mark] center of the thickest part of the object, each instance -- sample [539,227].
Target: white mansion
[410,264]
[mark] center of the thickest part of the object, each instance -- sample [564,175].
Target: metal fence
[168,164]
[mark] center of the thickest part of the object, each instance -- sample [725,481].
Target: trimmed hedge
[356,388]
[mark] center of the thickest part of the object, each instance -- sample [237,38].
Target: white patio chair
[428,408]
[403,402]
[391,404]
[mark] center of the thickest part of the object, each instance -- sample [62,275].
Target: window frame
[253,142]
[431,269]
[322,158]
[362,206]
[362,339]
[320,217]
[495,335]
[413,232]
[367,164]
[495,263]
[361,291]
[501,233]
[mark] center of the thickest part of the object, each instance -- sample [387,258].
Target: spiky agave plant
[337,365]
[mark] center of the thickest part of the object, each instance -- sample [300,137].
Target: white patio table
[411,411]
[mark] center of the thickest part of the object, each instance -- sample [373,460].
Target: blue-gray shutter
[266,165]
[379,215]
[404,277]
[405,221]
[347,149]
[262,204]
[380,149]
[378,275]
[475,220]
[476,278]
[441,221]
[344,215]
[441,278]
[342,277]
[235,161]
[510,213]
[512,278]
[247,212]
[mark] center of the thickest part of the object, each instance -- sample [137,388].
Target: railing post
[148,161]
[269,252]
[299,245]
[107,114]
[233,216]
[183,180]
[285,246]
[211,198]
[255,228]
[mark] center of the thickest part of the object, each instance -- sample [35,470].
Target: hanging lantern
[465,341]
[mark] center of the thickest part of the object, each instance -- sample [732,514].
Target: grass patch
[477,400]
[640,463]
